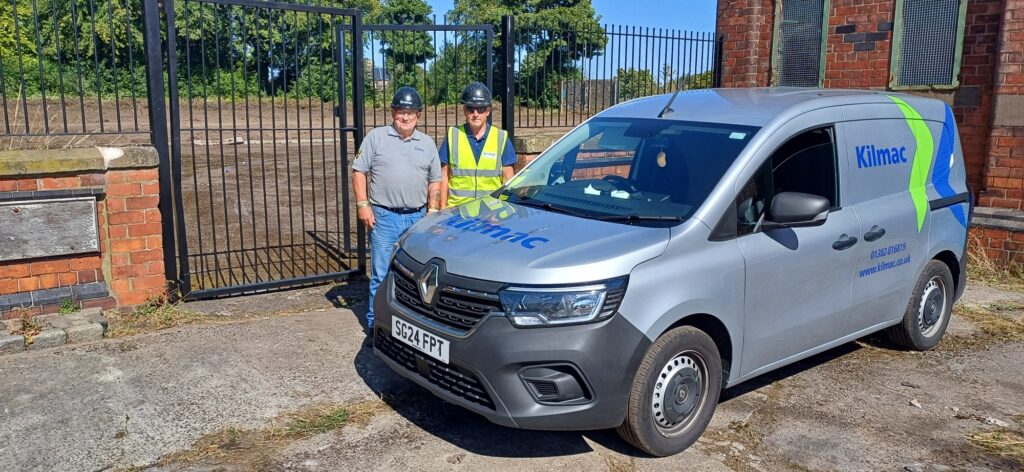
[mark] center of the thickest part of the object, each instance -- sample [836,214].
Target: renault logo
[428,284]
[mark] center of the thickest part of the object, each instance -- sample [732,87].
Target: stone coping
[22,163]
[534,143]
[998,218]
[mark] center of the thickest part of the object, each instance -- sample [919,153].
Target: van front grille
[452,378]
[456,308]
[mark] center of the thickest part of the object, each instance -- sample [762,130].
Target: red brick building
[968,53]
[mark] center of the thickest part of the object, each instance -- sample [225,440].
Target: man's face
[405,120]
[476,116]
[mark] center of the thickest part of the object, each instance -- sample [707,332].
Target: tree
[555,34]
[634,83]
[405,52]
[457,65]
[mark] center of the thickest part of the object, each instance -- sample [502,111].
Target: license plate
[419,339]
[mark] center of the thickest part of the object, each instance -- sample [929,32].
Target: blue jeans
[388,228]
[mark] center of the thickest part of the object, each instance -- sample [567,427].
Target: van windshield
[635,171]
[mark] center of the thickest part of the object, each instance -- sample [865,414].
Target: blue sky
[692,15]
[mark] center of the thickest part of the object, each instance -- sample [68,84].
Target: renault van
[673,246]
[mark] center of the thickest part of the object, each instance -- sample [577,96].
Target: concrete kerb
[84,326]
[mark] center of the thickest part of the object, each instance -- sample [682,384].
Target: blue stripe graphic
[940,173]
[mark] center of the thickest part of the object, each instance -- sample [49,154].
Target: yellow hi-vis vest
[471,179]
[499,209]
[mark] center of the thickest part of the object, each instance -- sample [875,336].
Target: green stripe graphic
[922,159]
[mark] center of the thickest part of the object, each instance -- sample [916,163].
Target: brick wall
[858,49]
[1004,183]
[128,268]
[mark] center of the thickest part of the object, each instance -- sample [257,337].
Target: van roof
[749,106]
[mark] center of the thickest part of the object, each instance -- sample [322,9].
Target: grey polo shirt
[399,170]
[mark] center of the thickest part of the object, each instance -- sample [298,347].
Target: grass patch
[981,268]
[255,449]
[996,323]
[1003,442]
[154,315]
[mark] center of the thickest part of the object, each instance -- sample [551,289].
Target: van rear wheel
[674,393]
[929,310]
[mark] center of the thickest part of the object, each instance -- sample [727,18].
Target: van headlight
[548,306]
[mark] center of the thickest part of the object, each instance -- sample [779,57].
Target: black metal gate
[260,96]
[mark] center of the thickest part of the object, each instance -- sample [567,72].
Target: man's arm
[443,186]
[433,196]
[507,172]
[363,209]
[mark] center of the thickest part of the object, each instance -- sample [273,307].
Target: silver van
[673,246]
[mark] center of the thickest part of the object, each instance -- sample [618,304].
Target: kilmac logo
[870,156]
[498,232]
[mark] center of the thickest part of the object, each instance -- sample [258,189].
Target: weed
[993,322]
[1002,442]
[29,328]
[982,268]
[153,315]
[67,307]
[319,422]
[254,449]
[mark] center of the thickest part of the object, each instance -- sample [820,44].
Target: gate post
[719,61]
[158,133]
[359,118]
[507,91]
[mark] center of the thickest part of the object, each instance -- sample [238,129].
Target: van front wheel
[929,310]
[674,393]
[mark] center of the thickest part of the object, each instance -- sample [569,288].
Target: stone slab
[12,344]
[53,321]
[85,333]
[45,228]
[47,338]
[1009,110]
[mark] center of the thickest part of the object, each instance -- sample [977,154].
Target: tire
[683,364]
[928,311]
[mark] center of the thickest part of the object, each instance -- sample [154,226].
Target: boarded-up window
[927,41]
[798,50]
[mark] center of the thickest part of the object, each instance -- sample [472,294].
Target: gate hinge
[337,112]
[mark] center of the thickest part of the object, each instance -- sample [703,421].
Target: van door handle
[874,233]
[844,242]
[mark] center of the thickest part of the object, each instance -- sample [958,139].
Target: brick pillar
[1005,173]
[747,26]
[119,258]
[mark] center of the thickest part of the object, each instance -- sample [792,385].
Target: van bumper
[490,369]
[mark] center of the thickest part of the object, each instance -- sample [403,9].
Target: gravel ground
[149,402]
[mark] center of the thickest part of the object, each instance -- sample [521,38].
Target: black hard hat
[476,95]
[407,98]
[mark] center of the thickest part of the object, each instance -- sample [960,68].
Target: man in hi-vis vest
[476,158]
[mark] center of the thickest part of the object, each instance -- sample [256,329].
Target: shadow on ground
[475,434]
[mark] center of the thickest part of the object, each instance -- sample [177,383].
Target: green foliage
[67,307]
[556,34]
[635,83]
[457,65]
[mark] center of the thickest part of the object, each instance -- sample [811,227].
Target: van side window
[806,163]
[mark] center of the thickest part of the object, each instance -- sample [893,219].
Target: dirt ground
[213,396]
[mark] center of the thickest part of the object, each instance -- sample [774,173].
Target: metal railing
[563,75]
[72,73]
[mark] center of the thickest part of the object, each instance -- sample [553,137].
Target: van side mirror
[796,210]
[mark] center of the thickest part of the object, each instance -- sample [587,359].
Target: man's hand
[366,216]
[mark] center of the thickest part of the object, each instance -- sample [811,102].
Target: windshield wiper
[547,206]
[636,217]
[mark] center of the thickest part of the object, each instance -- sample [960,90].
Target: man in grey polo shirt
[404,175]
